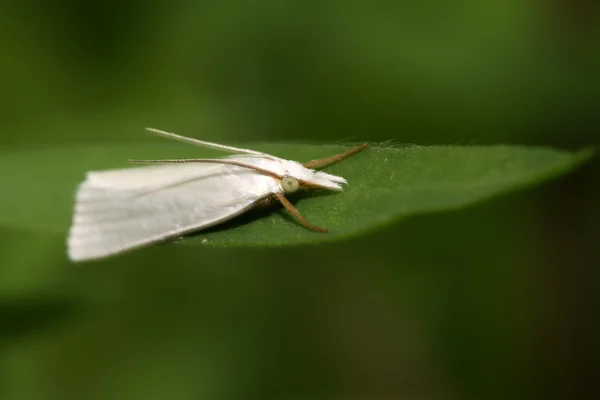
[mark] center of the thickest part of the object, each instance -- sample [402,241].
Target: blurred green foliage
[492,301]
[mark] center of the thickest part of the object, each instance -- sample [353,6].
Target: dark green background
[495,301]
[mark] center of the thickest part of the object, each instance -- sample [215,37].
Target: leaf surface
[386,184]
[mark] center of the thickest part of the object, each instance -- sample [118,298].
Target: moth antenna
[209,161]
[202,143]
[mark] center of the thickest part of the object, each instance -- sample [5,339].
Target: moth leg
[292,210]
[330,160]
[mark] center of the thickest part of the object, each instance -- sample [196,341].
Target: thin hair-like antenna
[209,161]
[201,143]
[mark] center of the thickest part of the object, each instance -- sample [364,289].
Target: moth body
[122,209]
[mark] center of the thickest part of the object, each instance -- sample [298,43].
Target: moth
[122,209]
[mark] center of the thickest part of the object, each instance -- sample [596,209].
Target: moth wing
[118,210]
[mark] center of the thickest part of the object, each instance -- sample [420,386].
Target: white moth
[122,209]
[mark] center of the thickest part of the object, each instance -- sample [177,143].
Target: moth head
[322,180]
[298,177]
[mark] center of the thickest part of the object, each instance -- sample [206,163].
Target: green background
[496,300]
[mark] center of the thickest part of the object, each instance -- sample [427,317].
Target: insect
[122,209]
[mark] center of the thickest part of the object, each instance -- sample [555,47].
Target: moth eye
[289,184]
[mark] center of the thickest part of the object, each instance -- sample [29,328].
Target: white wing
[122,209]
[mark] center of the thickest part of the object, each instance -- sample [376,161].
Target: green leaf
[386,184]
